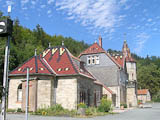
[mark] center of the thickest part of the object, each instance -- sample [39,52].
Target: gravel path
[134,114]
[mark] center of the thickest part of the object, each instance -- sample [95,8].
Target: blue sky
[87,19]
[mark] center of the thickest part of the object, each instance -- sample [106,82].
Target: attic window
[19,69]
[66,69]
[59,69]
[31,69]
[41,69]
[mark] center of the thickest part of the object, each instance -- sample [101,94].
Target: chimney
[100,41]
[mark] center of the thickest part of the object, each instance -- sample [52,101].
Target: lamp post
[5,31]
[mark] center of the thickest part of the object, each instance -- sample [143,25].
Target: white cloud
[9,2]
[98,14]
[43,6]
[49,12]
[23,2]
[149,20]
[50,1]
[140,42]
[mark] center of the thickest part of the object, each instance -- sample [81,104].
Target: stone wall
[106,92]
[66,92]
[116,90]
[131,97]
[43,93]
[12,96]
[93,92]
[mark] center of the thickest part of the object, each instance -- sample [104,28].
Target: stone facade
[12,97]
[92,91]
[131,84]
[43,92]
[66,92]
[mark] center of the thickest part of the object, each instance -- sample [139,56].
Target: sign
[6,26]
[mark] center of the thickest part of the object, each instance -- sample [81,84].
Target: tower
[131,83]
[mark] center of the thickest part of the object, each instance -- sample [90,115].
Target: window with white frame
[97,59]
[19,93]
[89,60]
[92,60]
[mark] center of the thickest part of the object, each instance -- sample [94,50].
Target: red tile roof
[57,60]
[93,49]
[35,64]
[142,92]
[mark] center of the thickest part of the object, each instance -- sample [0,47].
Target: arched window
[19,93]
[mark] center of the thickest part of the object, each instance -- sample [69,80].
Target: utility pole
[5,31]
[27,92]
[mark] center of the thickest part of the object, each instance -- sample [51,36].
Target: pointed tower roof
[126,52]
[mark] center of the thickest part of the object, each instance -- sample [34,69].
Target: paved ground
[134,114]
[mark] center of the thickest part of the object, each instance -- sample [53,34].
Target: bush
[124,105]
[19,110]
[105,105]
[11,110]
[54,111]
[91,111]
[57,108]
[156,98]
[81,105]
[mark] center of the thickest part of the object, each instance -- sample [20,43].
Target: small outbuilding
[144,95]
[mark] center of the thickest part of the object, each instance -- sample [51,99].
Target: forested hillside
[148,75]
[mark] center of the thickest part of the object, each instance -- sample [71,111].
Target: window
[97,59]
[92,60]
[89,60]
[19,93]
[82,97]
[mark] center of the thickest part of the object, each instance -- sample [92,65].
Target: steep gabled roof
[93,49]
[56,60]
[142,92]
